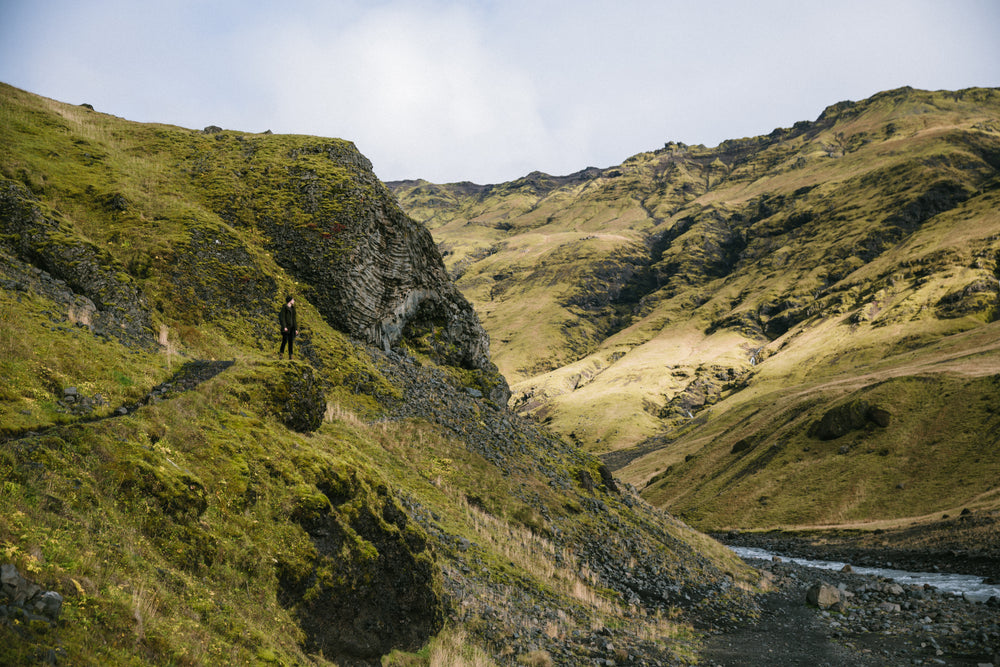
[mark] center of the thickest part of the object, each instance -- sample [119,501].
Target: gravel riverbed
[861,620]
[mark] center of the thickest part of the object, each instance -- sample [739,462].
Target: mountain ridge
[632,309]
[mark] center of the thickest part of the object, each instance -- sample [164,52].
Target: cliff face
[369,269]
[375,273]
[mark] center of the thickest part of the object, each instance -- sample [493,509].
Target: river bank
[875,622]
[968,543]
[865,619]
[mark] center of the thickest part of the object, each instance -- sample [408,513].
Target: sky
[490,90]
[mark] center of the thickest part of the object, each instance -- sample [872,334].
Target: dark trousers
[287,337]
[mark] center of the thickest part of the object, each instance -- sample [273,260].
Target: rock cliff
[369,269]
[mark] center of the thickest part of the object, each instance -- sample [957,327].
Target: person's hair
[288,297]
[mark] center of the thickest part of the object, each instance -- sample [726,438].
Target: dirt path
[187,377]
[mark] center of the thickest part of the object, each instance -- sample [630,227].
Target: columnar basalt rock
[370,269]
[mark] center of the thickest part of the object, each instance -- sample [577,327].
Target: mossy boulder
[851,416]
[368,585]
[294,394]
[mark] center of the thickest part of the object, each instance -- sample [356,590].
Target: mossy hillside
[802,163]
[793,391]
[185,507]
[211,531]
[234,219]
[140,205]
[43,351]
[47,345]
[220,524]
[816,250]
[819,456]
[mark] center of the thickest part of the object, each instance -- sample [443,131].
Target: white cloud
[490,90]
[408,87]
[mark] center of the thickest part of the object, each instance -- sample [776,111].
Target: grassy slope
[865,240]
[175,533]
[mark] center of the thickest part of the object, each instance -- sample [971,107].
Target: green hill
[792,329]
[195,500]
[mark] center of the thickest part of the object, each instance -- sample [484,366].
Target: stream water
[972,587]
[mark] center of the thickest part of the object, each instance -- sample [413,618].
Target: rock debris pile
[22,601]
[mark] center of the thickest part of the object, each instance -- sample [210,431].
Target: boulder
[823,596]
[18,592]
[296,397]
[846,417]
[49,604]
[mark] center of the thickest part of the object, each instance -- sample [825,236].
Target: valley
[514,409]
[786,330]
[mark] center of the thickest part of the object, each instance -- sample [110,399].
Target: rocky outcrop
[106,298]
[371,585]
[296,397]
[842,419]
[24,600]
[371,271]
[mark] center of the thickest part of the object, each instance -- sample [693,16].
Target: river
[972,587]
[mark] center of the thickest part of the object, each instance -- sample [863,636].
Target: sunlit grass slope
[701,285]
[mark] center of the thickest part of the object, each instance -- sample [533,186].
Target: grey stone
[49,604]
[823,596]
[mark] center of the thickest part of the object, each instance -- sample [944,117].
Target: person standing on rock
[288,326]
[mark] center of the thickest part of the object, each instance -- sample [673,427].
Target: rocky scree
[894,624]
[612,533]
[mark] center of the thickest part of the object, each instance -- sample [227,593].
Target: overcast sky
[488,91]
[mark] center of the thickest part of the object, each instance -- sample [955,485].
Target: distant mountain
[798,328]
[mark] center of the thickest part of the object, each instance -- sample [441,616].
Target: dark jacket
[287,318]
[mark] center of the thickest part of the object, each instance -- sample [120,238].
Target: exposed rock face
[109,300]
[385,594]
[851,416]
[371,270]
